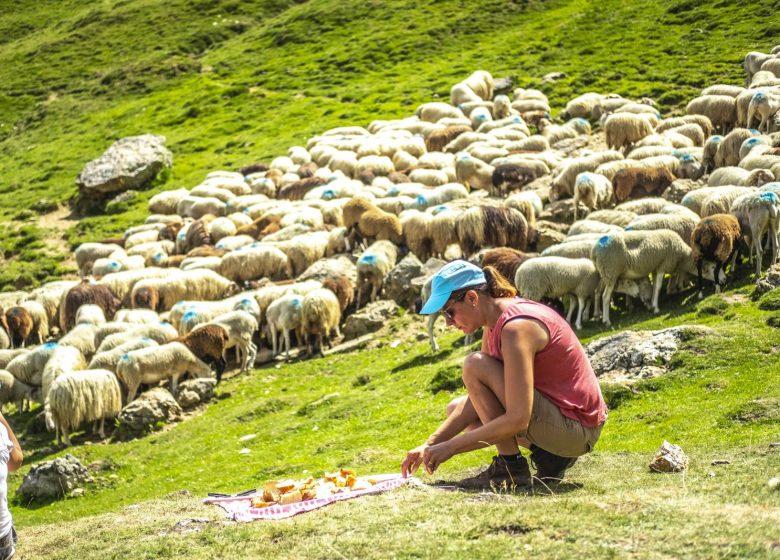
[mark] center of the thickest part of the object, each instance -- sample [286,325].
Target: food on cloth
[283,492]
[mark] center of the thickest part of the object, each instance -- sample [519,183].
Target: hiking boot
[549,467]
[500,475]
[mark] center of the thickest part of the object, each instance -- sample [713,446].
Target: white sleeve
[6,445]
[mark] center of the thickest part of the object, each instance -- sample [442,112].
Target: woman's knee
[454,404]
[477,365]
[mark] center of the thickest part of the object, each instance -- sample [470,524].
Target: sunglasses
[448,313]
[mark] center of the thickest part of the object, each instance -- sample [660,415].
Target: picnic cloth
[239,508]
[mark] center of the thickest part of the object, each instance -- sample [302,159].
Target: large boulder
[195,391]
[53,479]
[769,281]
[129,163]
[398,282]
[630,355]
[369,319]
[561,211]
[145,413]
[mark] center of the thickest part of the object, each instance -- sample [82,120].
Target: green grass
[231,82]
[721,400]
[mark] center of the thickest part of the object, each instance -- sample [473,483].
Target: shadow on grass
[425,359]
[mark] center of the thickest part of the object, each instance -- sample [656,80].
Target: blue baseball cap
[451,277]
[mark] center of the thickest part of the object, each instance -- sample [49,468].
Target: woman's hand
[435,455]
[413,460]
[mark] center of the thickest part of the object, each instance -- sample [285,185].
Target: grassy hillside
[231,82]
[364,410]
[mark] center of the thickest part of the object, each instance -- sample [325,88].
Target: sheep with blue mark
[696,199]
[690,167]
[87,253]
[473,172]
[166,362]
[372,267]
[762,106]
[570,129]
[439,195]
[84,396]
[637,254]
[28,367]
[727,153]
[737,176]
[759,214]
[556,277]
[118,262]
[109,359]
[161,333]
[284,315]
[592,190]
[755,145]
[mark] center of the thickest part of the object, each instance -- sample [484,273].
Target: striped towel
[240,508]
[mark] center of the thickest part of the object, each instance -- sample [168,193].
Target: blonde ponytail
[497,285]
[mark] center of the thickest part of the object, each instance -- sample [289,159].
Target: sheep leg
[272,334]
[572,305]
[718,267]
[102,430]
[357,299]
[658,279]
[580,308]
[699,267]
[758,250]
[251,355]
[221,364]
[131,390]
[374,291]
[174,384]
[287,343]
[431,320]
[606,301]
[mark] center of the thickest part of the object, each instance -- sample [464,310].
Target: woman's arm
[16,453]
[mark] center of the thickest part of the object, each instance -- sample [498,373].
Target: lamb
[651,180]
[15,391]
[763,106]
[715,239]
[636,254]
[473,172]
[759,213]
[19,324]
[555,277]
[283,316]
[87,293]
[320,317]
[61,360]
[110,358]
[623,130]
[240,327]
[593,190]
[80,396]
[158,363]
[87,253]
[738,176]
[720,109]
[372,267]
[500,227]
[209,344]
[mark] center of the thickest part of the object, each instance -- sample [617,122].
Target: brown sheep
[206,251]
[146,298]
[172,261]
[307,170]
[256,228]
[170,231]
[533,118]
[20,326]
[366,176]
[510,177]
[84,293]
[208,343]
[253,168]
[352,211]
[505,260]
[298,189]
[376,225]
[484,226]
[715,239]
[398,177]
[275,175]
[653,181]
[198,233]
[343,288]
[437,139]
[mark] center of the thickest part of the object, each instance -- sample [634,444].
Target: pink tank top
[562,371]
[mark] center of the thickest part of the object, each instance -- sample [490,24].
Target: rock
[679,188]
[629,356]
[369,319]
[77,493]
[53,479]
[769,281]
[118,204]
[432,266]
[129,163]
[570,146]
[503,85]
[150,408]
[553,77]
[774,483]
[195,391]
[670,458]
[337,265]
[560,211]
[547,237]
[398,282]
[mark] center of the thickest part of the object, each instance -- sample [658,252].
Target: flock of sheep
[294,245]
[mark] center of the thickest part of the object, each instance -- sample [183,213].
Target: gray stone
[553,77]
[195,391]
[337,265]
[769,281]
[503,85]
[548,236]
[670,458]
[398,282]
[150,408]
[369,319]
[53,479]
[129,163]
[629,356]
[560,211]
[432,266]
[679,188]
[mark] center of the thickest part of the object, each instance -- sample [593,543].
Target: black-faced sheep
[715,239]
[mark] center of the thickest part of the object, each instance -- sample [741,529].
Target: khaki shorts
[556,433]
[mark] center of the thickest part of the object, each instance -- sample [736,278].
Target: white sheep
[592,226]
[160,333]
[372,267]
[682,224]
[320,317]
[15,391]
[197,207]
[199,284]
[166,202]
[110,358]
[87,253]
[90,314]
[158,363]
[759,213]
[623,130]
[62,359]
[28,367]
[637,254]
[720,109]
[763,106]
[7,355]
[84,396]
[593,190]
[284,315]
[556,277]
[137,316]
[240,327]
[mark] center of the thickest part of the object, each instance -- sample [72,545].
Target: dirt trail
[57,223]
